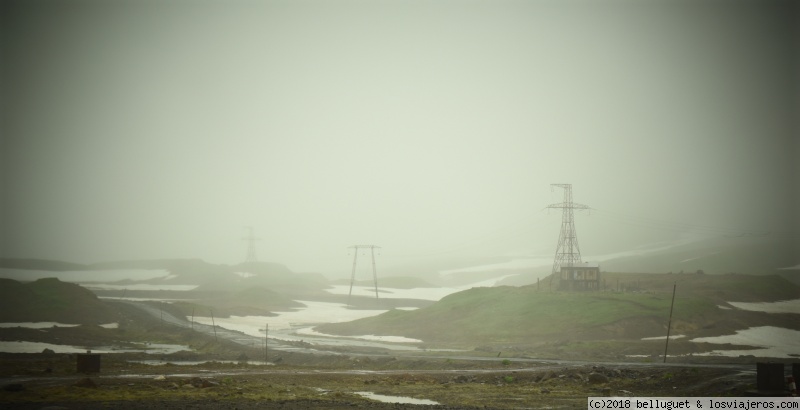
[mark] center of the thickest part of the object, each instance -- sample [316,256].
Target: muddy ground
[36,381]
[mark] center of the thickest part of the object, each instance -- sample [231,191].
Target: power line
[251,245]
[374,270]
[568,253]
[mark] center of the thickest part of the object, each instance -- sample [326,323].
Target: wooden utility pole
[213,325]
[669,325]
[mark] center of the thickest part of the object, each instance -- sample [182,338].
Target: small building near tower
[581,276]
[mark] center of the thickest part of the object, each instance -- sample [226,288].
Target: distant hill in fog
[208,276]
[746,254]
[41,264]
[758,255]
[752,255]
[62,266]
[50,300]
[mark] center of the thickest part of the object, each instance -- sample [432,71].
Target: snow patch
[673,337]
[393,339]
[784,306]
[774,341]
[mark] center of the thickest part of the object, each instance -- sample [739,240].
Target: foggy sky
[148,129]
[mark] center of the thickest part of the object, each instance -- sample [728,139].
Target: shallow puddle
[312,313]
[199,362]
[394,399]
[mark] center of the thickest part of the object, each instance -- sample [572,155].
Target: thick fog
[148,129]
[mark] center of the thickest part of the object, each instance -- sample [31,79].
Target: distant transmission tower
[374,271]
[568,253]
[251,245]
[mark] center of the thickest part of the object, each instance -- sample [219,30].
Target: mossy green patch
[523,315]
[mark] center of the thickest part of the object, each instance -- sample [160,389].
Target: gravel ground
[124,385]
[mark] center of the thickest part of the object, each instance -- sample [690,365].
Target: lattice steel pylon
[568,253]
[251,245]
[374,271]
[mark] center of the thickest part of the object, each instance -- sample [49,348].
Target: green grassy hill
[526,315]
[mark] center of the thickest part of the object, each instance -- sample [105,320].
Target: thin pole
[266,338]
[669,325]
[213,325]
[374,272]
[192,318]
[352,275]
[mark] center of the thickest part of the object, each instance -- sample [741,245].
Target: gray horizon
[149,130]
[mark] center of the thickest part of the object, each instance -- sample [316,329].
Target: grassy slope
[523,314]
[51,300]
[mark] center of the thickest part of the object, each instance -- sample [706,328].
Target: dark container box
[88,363]
[769,377]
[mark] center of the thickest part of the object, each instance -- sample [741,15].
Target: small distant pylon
[374,271]
[568,253]
[251,245]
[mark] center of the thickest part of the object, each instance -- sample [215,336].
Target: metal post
[374,273]
[213,325]
[669,325]
[355,249]
[352,275]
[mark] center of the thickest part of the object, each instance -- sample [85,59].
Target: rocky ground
[36,381]
[495,376]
